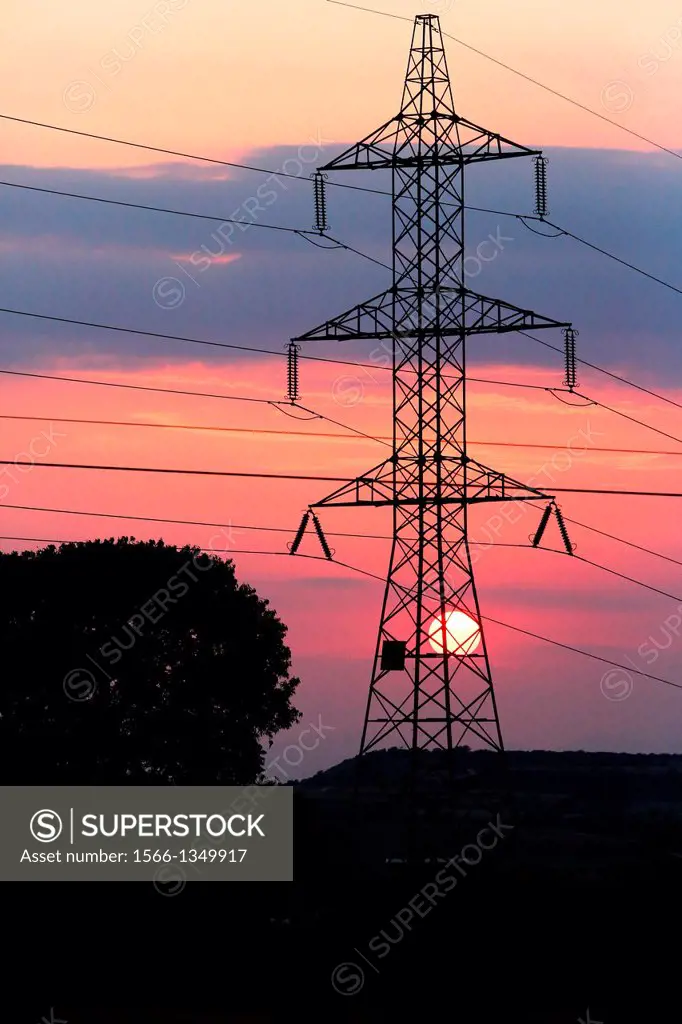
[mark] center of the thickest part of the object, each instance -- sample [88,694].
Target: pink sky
[332,630]
[225,80]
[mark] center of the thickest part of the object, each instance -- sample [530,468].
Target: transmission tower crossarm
[370,319]
[377,488]
[456,309]
[483,315]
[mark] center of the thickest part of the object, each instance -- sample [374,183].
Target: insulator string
[299,534]
[570,381]
[321,537]
[293,393]
[563,530]
[541,186]
[543,523]
[320,189]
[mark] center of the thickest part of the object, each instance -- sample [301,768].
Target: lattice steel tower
[431,683]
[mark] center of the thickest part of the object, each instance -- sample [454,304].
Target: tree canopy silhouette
[136,662]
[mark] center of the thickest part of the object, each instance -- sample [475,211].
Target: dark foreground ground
[576,907]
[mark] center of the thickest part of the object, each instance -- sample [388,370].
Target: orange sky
[221,79]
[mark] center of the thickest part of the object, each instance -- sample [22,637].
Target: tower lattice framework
[422,691]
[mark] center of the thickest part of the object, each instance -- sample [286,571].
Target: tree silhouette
[136,662]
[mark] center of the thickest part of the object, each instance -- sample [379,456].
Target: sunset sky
[290,85]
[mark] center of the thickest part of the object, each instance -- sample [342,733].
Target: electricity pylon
[431,682]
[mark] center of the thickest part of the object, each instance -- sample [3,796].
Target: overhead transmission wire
[365,572]
[246,348]
[356,363]
[178,337]
[363,536]
[173,470]
[304,232]
[310,234]
[622,540]
[278,402]
[274,529]
[609,373]
[184,522]
[354,535]
[378,438]
[521,74]
[595,565]
[296,476]
[282,529]
[325,359]
[283,402]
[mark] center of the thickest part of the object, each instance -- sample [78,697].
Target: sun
[462,633]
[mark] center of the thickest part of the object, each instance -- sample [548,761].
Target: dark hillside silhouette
[136,662]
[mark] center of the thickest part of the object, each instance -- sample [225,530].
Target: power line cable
[632,419]
[521,74]
[140,387]
[184,522]
[610,255]
[324,359]
[304,433]
[596,565]
[364,572]
[162,209]
[181,472]
[608,373]
[288,530]
[622,540]
[296,476]
[180,337]
[238,398]
[311,233]
[587,654]
[363,536]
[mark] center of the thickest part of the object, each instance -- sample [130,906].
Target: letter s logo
[46,826]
